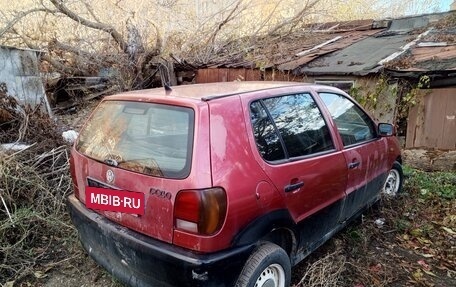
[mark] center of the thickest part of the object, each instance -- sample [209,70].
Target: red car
[224,184]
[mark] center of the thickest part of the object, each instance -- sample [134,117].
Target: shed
[359,57]
[432,122]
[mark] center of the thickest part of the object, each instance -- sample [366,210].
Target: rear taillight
[73,178]
[200,211]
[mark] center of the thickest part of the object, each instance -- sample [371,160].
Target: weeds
[429,185]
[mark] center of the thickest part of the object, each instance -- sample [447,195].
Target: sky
[445,5]
[417,7]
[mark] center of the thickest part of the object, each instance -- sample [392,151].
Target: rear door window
[267,138]
[148,138]
[289,126]
[354,125]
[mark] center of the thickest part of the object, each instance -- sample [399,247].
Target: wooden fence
[212,75]
[432,122]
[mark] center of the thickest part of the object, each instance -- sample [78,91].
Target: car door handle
[294,186]
[353,164]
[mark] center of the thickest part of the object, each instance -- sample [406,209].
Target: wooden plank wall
[213,75]
[226,75]
[432,123]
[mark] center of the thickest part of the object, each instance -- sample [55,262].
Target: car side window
[354,125]
[266,137]
[296,124]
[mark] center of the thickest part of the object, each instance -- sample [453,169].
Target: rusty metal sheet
[304,60]
[429,59]
[421,54]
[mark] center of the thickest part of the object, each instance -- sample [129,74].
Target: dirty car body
[216,184]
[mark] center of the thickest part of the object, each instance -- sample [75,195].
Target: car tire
[394,180]
[268,265]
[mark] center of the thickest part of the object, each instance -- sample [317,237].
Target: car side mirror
[385,130]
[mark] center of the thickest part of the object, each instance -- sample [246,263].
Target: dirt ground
[83,272]
[372,256]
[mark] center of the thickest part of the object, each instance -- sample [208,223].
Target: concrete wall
[20,75]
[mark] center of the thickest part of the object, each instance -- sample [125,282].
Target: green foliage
[370,98]
[411,96]
[431,184]
[402,224]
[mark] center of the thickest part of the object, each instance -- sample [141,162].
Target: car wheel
[268,266]
[393,183]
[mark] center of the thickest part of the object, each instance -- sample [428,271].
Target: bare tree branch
[307,7]
[19,17]
[159,41]
[94,25]
[56,64]
[268,18]
[55,44]
[224,22]
[91,12]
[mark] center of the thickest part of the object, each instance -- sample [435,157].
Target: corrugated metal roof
[348,48]
[360,58]
[281,51]
[346,39]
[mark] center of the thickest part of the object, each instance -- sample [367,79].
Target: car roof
[209,91]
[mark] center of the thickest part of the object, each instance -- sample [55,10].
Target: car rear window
[147,138]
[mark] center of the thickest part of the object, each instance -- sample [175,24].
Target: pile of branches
[27,124]
[34,183]
[326,271]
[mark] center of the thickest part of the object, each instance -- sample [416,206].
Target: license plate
[114,200]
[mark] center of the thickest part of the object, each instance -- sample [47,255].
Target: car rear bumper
[138,260]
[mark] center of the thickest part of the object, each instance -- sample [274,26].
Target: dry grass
[34,226]
[324,272]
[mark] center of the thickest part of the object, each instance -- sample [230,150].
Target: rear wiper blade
[111,162]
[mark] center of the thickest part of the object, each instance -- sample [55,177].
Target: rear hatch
[133,157]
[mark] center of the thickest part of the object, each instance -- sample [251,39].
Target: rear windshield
[147,138]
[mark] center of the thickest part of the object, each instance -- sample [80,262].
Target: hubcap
[272,276]
[392,183]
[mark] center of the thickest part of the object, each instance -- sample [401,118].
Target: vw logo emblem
[110,176]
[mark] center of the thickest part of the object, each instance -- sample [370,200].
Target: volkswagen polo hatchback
[224,184]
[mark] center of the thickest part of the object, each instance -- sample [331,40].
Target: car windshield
[148,138]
